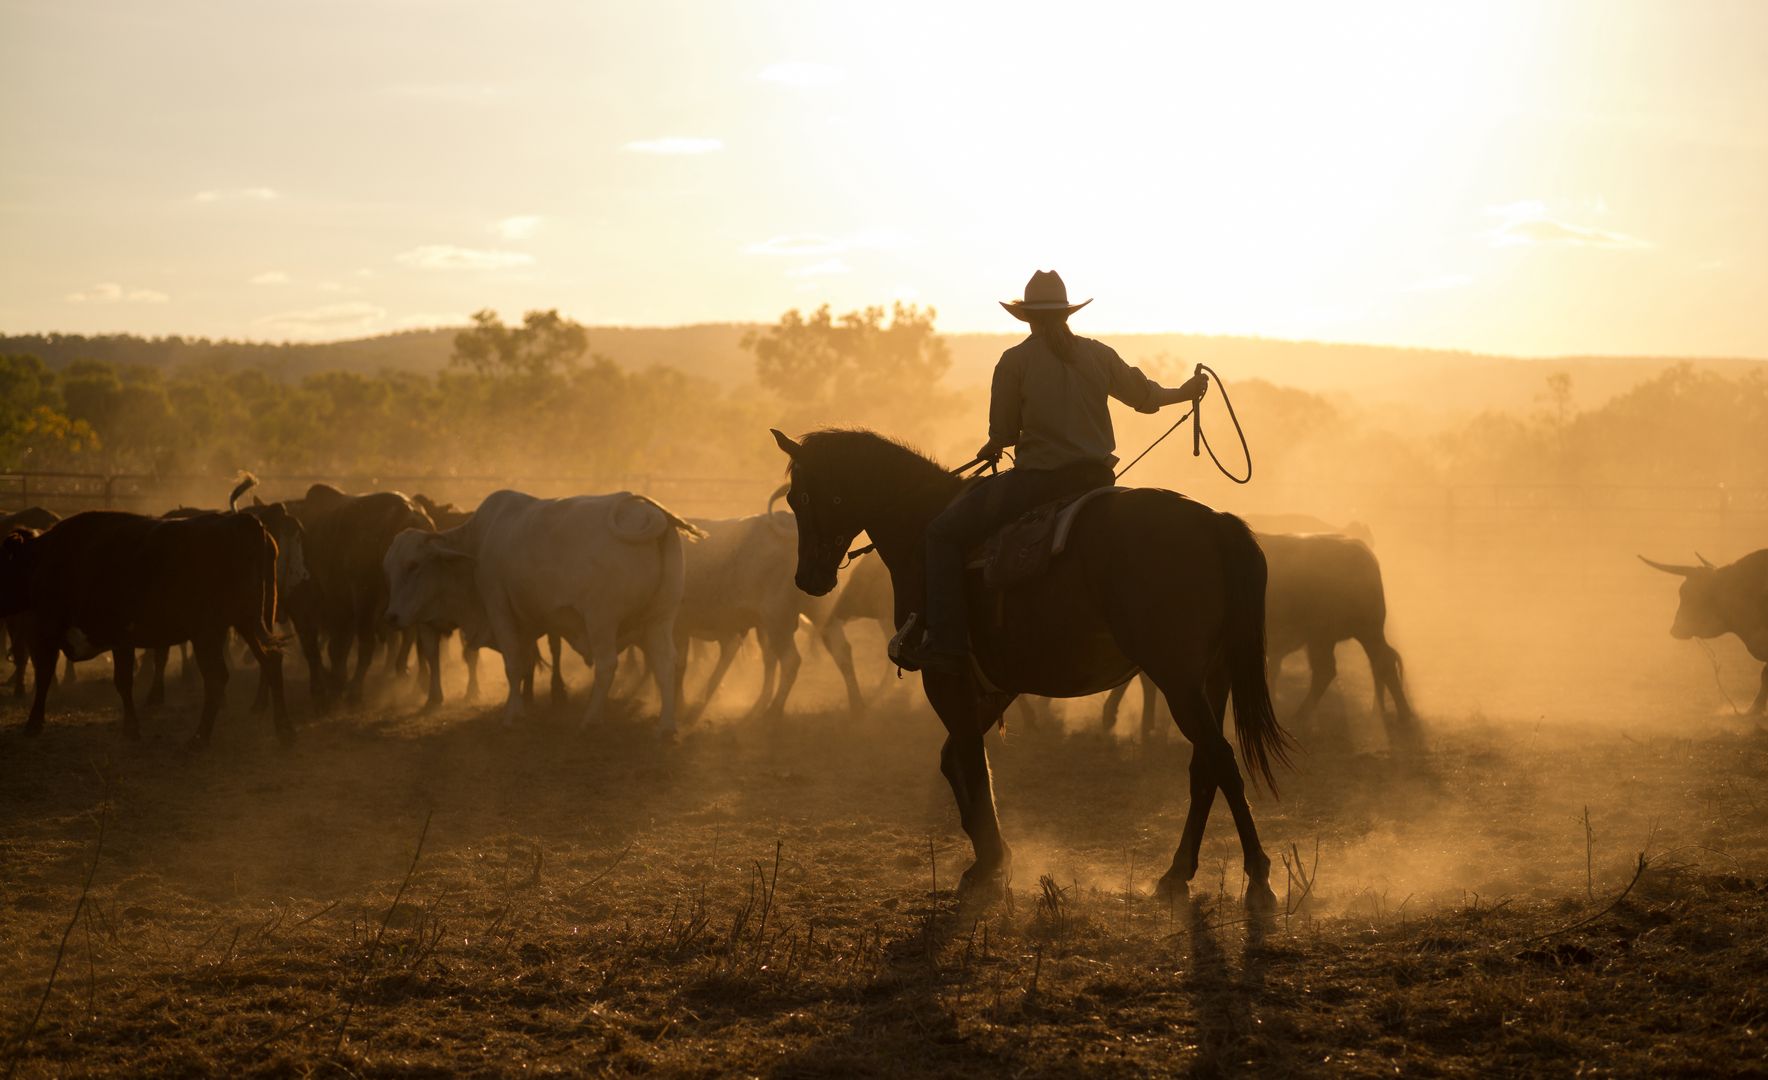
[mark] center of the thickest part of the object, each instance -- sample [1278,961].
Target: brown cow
[111,581]
[345,595]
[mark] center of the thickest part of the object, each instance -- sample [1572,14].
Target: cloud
[519,227]
[820,269]
[676,144]
[1527,224]
[248,194]
[327,319]
[801,73]
[270,277]
[109,292]
[450,257]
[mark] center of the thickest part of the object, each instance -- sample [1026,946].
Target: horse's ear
[791,448]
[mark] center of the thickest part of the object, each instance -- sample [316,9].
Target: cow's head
[826,525]
[428,582]
[17,564]
[1701,614]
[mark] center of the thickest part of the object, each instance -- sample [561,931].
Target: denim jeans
[973,517]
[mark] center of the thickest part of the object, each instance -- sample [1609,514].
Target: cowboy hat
[1044,292]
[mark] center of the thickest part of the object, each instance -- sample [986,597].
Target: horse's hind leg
[1200,715]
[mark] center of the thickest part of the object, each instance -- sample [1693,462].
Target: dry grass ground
[776,899]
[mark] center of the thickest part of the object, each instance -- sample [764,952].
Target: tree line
[534,397]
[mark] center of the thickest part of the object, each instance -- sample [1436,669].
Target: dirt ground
[775,897]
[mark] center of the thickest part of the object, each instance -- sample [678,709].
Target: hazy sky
[1530,178]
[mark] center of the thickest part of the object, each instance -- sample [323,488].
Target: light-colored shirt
[1054,410]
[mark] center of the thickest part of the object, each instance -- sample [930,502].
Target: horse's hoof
[978,885]
[1171,888]
[285,735]
[1260,900]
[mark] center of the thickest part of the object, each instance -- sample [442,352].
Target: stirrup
[898,649]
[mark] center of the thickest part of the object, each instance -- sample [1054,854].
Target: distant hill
[1428,385]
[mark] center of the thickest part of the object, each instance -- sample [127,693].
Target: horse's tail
[1262,739]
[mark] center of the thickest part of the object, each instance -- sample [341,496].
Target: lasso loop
[1195,415]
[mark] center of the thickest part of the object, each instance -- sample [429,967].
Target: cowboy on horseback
[1048,400]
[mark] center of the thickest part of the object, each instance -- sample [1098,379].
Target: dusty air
[571,539]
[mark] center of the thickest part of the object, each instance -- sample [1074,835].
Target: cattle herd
[383,574]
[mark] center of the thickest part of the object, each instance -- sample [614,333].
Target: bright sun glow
[1581,177]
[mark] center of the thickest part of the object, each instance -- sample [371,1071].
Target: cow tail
[246,483]
[1263,742]
[676,523]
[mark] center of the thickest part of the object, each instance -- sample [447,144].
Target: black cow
[111,581]
[1719,600]
[291,570]
[1322,589]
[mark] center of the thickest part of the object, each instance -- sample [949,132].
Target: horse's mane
[879,455]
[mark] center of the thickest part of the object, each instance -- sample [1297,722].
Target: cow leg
[834,635]
[560,694]
[429,655]
[1113,700]
[44,655]
[318,684]
[156,688]
[269,661]
[337,649]
[1384,665]
[1322,669]
[601,647]
[211,659]
[790,661]
[519,655]
[469,655]
[769,668]
[21,657]
[123,675]
[366,636]
[1761,703]
[727,652]
[186,673]
[659,649]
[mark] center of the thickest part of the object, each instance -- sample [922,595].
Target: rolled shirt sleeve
[1127,384]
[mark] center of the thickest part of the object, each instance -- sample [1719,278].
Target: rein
[1200,441]
[979,464]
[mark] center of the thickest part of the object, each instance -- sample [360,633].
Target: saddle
[1024,548]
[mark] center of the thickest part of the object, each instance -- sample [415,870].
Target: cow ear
[791,448]
[453,556]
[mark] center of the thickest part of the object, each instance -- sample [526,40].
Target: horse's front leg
[964,762]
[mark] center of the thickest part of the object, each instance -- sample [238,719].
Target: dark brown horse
[1149,580]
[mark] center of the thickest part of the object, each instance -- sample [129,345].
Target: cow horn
[1679,571]
[1703,560]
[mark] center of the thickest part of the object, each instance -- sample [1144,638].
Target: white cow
[601,571]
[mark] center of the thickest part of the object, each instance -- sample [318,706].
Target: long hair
[1052,327]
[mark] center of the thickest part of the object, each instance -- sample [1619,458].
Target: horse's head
[826,519]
